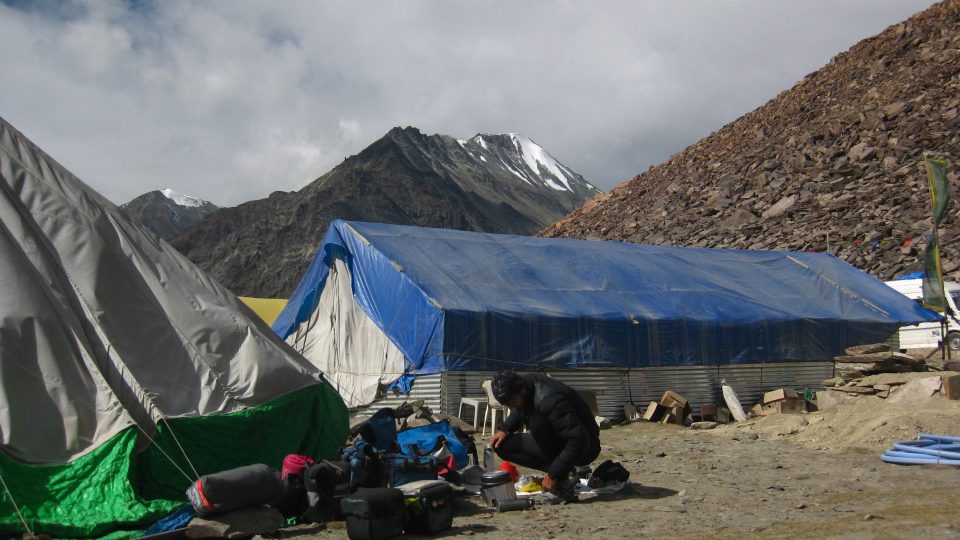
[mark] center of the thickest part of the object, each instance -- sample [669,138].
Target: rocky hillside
[491,183]
[838,157]
[166,212]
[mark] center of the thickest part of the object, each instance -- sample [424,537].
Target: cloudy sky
[231,100]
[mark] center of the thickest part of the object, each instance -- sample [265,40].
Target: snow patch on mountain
[516,173]
[534,155]
[182,200]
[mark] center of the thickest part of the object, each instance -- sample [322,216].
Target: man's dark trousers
[538,448]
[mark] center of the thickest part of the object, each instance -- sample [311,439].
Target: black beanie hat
[505,385]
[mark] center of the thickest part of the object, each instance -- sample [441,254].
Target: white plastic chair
[492,407]
[474,402]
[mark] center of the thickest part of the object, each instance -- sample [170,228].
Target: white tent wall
[341,340]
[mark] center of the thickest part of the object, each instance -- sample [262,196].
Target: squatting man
[562,430]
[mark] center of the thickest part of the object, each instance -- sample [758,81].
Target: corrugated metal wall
[750,383]
[699,384]
[615,387]
[427,387]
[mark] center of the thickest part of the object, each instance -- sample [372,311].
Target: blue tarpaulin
[456,300]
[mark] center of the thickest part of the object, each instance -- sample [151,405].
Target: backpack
[325,483]
[366,465]
[380,430]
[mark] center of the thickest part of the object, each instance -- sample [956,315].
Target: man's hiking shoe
[563,493]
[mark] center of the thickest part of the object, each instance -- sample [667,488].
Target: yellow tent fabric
[267,309]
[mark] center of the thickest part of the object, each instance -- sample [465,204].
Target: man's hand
[497,438]
[548,483]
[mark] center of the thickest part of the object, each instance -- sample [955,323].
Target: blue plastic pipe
[919,461]
[939,438]
[927,449]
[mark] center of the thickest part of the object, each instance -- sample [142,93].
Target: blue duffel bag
[426,440]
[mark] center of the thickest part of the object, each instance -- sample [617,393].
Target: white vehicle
[927,335]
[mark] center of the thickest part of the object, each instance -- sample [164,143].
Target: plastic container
[497,486]
[429,506]
[374,514]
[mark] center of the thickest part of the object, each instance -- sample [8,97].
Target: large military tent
[382,304]
[125,371]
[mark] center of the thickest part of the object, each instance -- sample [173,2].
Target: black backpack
[325,483]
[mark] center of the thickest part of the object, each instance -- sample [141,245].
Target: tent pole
[15,507]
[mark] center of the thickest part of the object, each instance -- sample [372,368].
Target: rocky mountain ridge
[833,164]
[490,183]
[166,212]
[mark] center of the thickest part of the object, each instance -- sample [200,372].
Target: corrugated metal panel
[750,383]
[699,384]
[613,387]
[797,375]
[746,381]
[426,387]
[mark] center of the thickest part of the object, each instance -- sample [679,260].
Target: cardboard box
[784,406]
[677,414]
[788,406]
[778,395]
[708,411]
[951,385]
[654,412]
[672,399]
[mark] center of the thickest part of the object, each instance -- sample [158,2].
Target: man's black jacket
[566,412]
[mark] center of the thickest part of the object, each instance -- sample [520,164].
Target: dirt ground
[816,474]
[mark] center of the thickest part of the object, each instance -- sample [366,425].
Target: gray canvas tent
[125,371]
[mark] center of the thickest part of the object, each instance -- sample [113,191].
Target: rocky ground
[781,475]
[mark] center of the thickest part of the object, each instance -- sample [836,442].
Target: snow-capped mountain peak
[524,159]
[166,212]
[182,200]
[534,155]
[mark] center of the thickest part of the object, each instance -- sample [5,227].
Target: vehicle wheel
[953,341]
